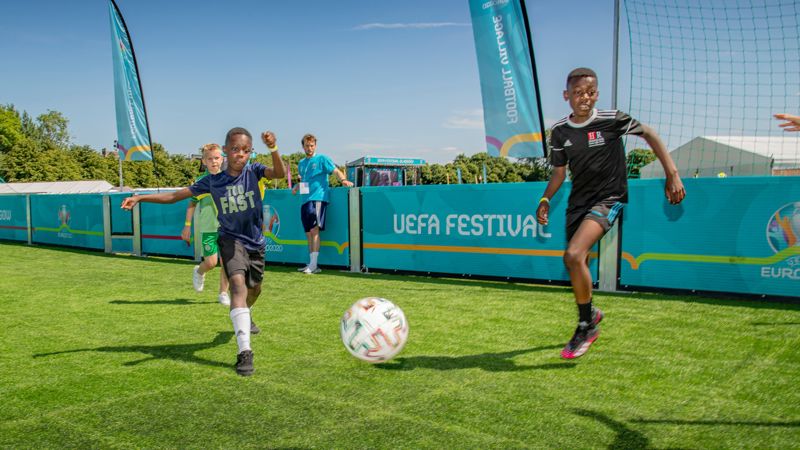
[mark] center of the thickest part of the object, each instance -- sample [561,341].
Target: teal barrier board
[487,230]
[735,234]
[13,218]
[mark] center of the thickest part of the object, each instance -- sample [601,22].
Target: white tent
[706,156]
[56,187]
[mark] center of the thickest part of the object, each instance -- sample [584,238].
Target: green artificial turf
[120,352]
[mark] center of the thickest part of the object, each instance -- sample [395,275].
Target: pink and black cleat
[582,339]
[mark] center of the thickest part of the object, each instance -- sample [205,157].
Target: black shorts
[238,259]
[604,212]
[312,214]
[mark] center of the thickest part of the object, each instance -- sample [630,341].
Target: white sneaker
[224,299]
[198,281]
[310,271]
[303,269]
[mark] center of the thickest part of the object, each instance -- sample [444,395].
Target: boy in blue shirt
[236,196]
[314,187]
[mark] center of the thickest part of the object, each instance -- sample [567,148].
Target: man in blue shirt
[236,196]
[314,187]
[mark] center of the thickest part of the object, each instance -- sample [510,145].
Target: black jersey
[595,154]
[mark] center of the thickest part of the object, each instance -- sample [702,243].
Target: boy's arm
[186,234]
[164,197]
[278,170]
[342,177]
[673,188]
[557,177]
[792,123]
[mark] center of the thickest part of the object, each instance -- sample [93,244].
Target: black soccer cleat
[244,363]
[597,316]
[254,328]
[584,335]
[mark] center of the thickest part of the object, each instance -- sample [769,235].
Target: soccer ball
[374,329]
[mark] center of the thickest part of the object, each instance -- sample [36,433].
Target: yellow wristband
[273,149]
[544,199]
[187,223]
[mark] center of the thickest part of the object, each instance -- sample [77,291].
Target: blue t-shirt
[315,171]
[238,202]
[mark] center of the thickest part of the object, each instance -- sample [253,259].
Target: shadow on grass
[790,424]
[717,300]
[490,362]
[454,281]
[177,352]
[99,253]
[534,286]
[625,436]
[177,301]
[774,324]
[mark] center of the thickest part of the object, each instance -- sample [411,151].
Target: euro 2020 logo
[272,222]
[63,216]
[272,226]
[783,229]
[783,233]
[63,228]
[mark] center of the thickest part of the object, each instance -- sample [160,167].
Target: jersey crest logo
[595,138]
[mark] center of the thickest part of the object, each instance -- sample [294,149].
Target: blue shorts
[312,214]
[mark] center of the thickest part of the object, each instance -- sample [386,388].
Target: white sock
[241,327]
[313,263]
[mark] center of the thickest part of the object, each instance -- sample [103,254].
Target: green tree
[95,166]
[638,158]
[52,130]
[10,128]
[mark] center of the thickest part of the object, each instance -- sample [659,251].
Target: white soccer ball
[374,329]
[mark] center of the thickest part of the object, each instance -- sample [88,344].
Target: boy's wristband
[544,200]
[187,223]
[273,149]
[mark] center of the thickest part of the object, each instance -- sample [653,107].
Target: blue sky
[378,78]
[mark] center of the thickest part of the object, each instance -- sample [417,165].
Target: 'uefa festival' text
[500,225]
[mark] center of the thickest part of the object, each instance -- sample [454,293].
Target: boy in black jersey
[589,140]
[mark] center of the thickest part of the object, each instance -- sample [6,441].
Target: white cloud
[417,26]
[465,120]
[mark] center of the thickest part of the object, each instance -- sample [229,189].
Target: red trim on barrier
[158,236]
[9,227]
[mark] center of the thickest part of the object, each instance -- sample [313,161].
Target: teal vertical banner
[133,136]
[487,230]
[511,107]
[736,234]
[72,220]
[286,238]
[13,218]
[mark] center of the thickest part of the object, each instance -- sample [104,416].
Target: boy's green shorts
[210,244]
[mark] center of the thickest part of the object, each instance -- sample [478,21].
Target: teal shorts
[209,241]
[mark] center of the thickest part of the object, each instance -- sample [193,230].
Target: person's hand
[269,139]
[294,189]
[129,203]
[186,234]
[542,212]
[347,183]
[674,189]
[792,122]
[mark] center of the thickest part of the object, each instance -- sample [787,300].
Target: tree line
[40,149]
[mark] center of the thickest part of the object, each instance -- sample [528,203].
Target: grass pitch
[109,351]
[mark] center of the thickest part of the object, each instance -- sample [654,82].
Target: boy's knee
[237,284]
[574,257]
